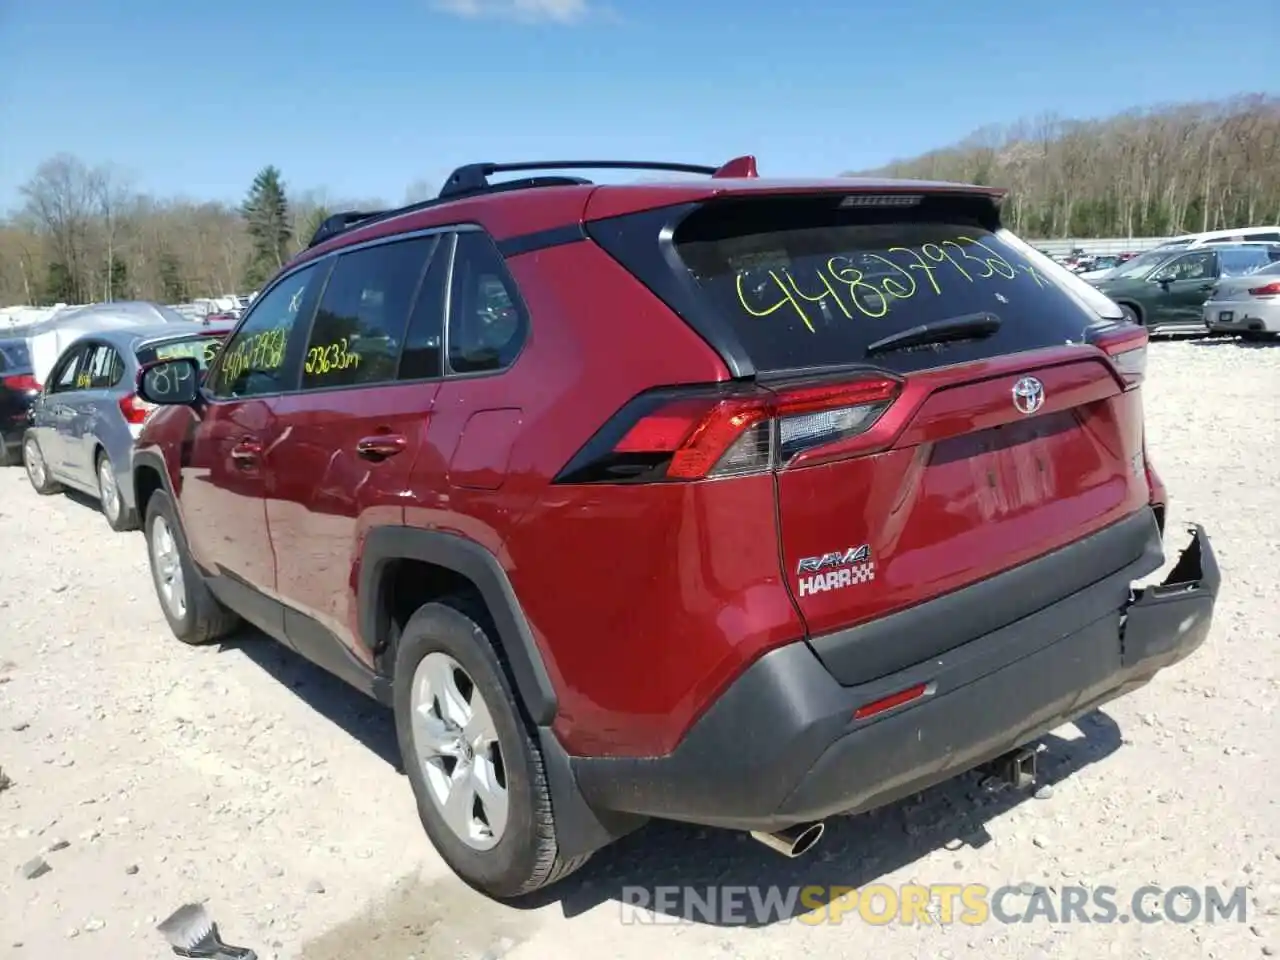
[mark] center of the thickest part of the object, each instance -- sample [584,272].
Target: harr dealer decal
[834,571]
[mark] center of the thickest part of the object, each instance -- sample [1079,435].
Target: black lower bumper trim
[781,745]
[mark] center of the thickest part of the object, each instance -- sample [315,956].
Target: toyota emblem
[1028,395]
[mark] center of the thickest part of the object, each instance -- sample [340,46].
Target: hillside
[1154,172]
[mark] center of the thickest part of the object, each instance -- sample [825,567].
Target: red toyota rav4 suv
[733,501]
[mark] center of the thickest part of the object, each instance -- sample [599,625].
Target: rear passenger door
[467,468]
[349,435]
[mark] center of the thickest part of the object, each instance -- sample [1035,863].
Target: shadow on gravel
[855,851]
[365,720]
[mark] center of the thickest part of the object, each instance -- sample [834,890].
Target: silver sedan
[1247,305]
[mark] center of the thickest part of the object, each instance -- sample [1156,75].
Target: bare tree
[61,199]
[114,190]
[1155,172]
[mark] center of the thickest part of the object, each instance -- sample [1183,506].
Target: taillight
[135,411]
[1270,290]
[21,382]
[709,433]
[1127,347]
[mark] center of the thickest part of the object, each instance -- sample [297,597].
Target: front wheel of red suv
[195,616]
[474,765]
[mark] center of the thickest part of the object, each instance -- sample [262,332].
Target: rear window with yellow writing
[812,283]
[201,349]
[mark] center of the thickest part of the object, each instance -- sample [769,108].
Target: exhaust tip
[793,841]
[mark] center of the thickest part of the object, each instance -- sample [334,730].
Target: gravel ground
[147,774]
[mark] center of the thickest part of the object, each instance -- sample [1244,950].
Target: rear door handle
[380,446]
[247,451]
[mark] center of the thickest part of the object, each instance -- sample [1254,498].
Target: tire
[37,469]
[449,639]
[119,518]
[1130,314]
[199,618]
[1258,336]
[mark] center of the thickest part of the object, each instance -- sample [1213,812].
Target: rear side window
[104,368]
[812,282]
[201,349]
[1236,263]
[14,355]
[487,321]
[359,328]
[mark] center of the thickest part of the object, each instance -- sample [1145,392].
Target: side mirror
[1164,279]
[173,382]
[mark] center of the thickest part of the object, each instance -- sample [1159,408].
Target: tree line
[85,233]
[1153,172]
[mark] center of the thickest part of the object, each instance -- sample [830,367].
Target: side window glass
[1236,263]
[421,357]
[104,368]
[88,359]
[487,321]
[361,320]
[1193,266]
[252,364]
[68,373]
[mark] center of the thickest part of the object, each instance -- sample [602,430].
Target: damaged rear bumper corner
[1168,622]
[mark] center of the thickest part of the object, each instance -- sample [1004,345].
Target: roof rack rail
[341,222]
[473,178]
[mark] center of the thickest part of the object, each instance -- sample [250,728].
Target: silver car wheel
[167,562]
[108,490]
[456,743]
[34,460]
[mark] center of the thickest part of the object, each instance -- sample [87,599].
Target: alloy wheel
[456,742]
[168,566]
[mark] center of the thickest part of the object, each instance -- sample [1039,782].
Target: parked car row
[622,520]
[1168,289]
[68,394]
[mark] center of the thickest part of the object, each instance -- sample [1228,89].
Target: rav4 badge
[834,571]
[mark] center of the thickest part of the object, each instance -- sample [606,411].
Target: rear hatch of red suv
[935,400]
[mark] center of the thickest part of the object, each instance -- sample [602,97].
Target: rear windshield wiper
[972,326]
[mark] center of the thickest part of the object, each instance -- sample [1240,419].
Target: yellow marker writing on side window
[331,358]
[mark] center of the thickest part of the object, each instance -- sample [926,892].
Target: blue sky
[361,99]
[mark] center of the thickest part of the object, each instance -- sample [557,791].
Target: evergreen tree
[59,284]
[266,213]
[171,282]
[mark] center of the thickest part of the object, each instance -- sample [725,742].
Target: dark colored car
[18,389]
[739,502]
[1165,289]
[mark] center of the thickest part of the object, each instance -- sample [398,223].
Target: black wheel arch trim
[151,460]
[1137,309]
[384,545]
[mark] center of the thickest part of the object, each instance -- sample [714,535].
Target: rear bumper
[781,745]
[1242,316]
